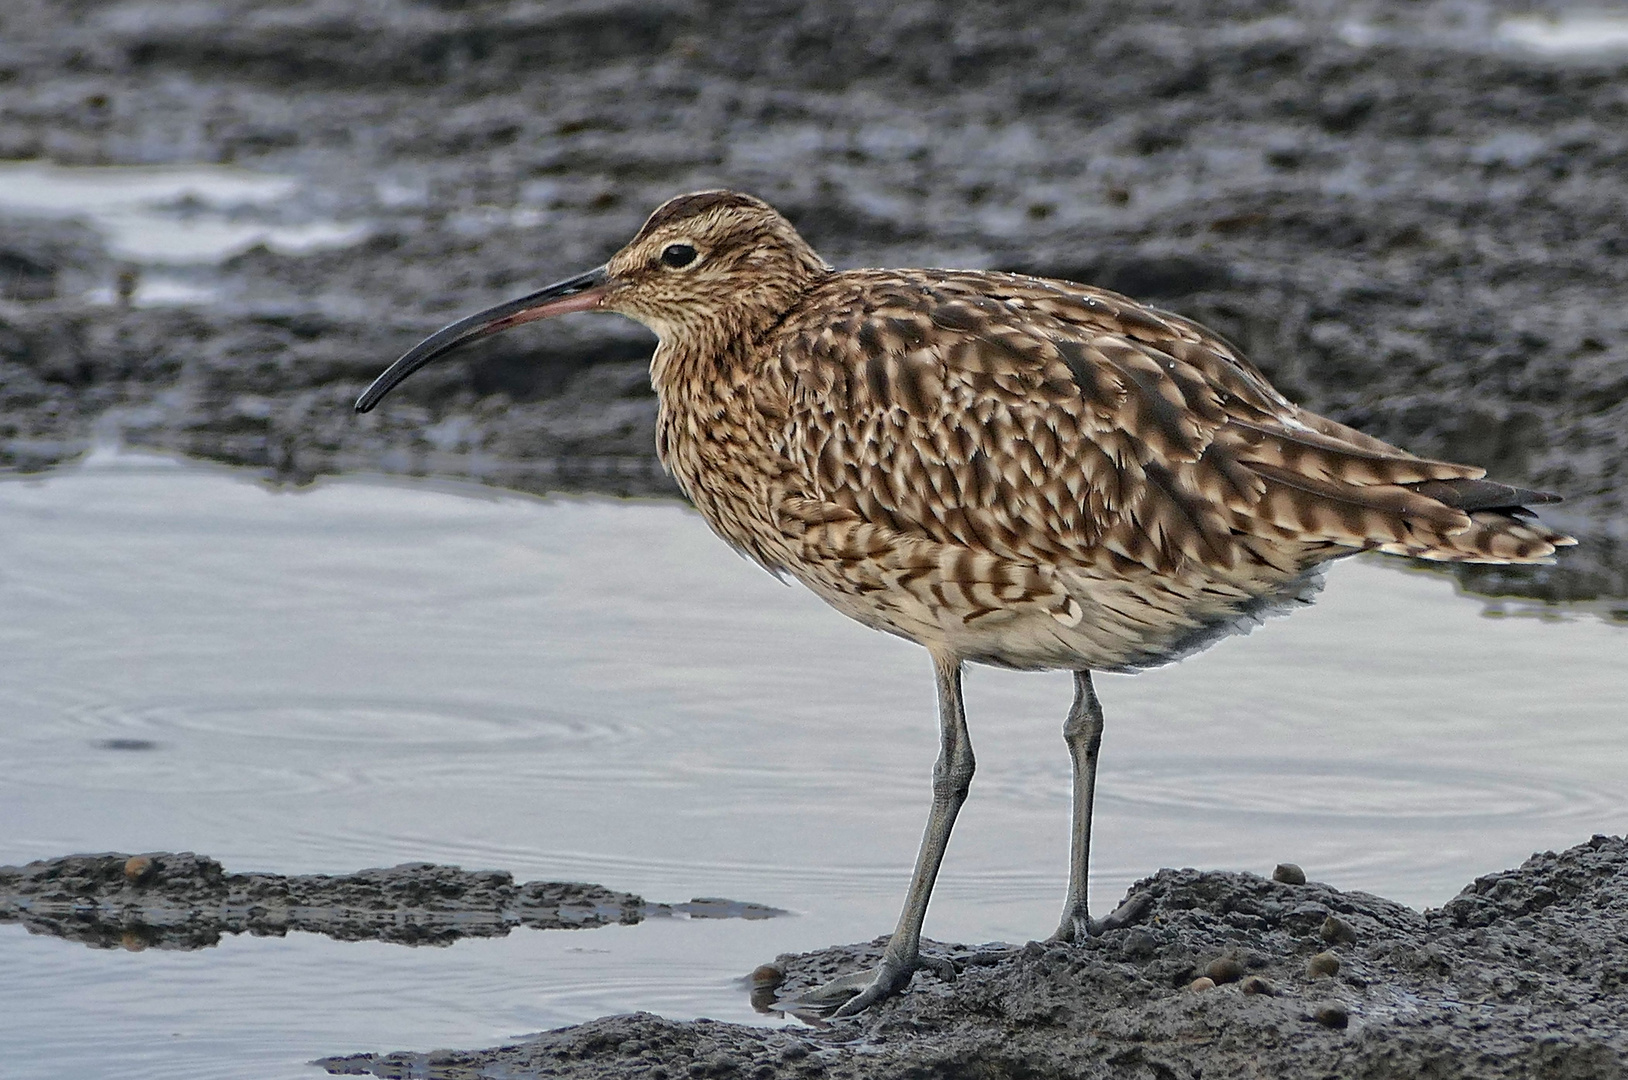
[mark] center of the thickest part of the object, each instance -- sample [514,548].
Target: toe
[829,995]
[1075,927]
[886,983]
[853,994]
[1131,911]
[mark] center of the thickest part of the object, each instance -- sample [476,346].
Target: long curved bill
[581,293]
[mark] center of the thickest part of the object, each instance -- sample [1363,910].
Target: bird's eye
[678,256]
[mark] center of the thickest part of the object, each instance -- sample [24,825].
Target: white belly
[1124,626]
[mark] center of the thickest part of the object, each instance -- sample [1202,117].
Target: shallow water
[176,220]
[368,672]
[1572,33]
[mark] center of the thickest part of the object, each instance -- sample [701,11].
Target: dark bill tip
[581,293]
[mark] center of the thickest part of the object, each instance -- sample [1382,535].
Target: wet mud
[1226,974]
[170,900]
[1414,222]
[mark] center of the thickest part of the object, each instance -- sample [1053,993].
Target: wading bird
[1003,469]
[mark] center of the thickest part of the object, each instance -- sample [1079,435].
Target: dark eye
[678,256]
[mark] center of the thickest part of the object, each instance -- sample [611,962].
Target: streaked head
[708,263]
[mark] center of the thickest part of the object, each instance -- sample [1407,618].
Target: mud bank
[180,900]
[1521,975]
[1413,216]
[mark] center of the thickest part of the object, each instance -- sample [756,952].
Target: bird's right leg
[1082,731]
[952,774]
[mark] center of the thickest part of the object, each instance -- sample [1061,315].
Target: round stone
[1289,874]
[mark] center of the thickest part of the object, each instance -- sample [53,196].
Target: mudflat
[1520,975]
[180,900]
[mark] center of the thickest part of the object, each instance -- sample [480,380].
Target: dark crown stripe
[688,206]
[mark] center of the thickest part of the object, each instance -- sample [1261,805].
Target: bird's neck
[707,391]
[709,358]
[715,434]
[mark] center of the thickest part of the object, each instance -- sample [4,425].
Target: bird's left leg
[952,774]
[1082,731]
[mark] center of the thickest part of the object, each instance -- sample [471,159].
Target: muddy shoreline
[179,900]
[1520,975]
[1412,221]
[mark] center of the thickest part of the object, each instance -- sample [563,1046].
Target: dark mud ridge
[1414,223]
[1523,975]
[184,901]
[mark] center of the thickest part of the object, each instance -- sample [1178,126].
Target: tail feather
[1333,485]
[1502,528]
[1493,537]
[1470,495]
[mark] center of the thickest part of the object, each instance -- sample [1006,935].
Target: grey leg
[951,776]
[1082,731]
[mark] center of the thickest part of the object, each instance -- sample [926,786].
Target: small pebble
[138,869]
[131,941]
[1336,931]
[767,976]
[1324,963]
[1224,969]
[1203,982]
[1333,1016]
[1257,985]
[1289,874]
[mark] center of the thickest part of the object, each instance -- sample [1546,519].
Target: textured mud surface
[1521,975]
[1414,222]
[184,901]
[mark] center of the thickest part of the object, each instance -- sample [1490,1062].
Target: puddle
[173,214]
[159,289]
[1583,34]
[1568,34]
[370,672]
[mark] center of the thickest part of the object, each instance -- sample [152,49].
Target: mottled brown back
[1042,420]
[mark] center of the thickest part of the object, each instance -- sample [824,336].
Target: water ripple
[1371,791]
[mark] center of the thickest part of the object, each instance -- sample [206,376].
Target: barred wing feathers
[1031,422]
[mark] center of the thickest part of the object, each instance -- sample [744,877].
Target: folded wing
[1046,422]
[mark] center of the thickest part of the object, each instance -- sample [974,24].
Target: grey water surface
[369,671]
